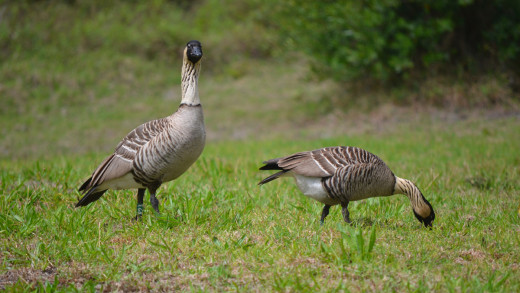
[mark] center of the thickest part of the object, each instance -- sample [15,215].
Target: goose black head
[427,221]
[194,51]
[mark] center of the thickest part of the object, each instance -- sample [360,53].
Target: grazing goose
[159,150]
[339,175]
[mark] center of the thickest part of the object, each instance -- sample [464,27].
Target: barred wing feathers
[324,162]
[121,161]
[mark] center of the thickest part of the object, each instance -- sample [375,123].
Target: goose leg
[140,196]
[153,200]
[344,211]
[324,213]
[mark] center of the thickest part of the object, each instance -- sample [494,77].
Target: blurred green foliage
[380,39]
[390,40]
[150,29]
[51,50]
[56,48]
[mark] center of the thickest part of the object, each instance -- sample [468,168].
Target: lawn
[76,78]
[219,231]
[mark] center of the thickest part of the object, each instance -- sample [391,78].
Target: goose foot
[324,214]
[344,211]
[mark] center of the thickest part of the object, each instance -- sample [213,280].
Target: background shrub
[391,40]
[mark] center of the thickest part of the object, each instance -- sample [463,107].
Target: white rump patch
[125,182]
[312,187]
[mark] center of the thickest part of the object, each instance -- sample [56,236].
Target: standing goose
[159,150]
[339,175]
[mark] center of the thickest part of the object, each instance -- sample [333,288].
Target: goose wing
[121,161]
[324,162]
[319,163]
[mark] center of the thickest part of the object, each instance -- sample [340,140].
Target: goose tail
[272,165]
[272,177]
[91,195]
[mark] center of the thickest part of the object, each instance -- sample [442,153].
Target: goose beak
[195,55]
[194,51]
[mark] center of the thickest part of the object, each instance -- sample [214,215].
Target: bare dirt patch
[28,276]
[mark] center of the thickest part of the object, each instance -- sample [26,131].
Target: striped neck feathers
[421,207]
[189,83]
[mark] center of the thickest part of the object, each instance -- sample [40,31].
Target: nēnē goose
[339,175]
[159,150]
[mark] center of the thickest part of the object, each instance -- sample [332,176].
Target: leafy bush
[388,39]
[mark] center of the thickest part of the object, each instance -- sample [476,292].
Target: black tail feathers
[85,184]
[91,196]
[272,177]
[271,165]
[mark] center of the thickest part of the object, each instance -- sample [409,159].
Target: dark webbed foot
[344,211]
[324,214]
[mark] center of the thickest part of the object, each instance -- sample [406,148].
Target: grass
[219,231]
[76,78]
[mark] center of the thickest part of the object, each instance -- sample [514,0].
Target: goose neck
[419,204]
[189,83]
